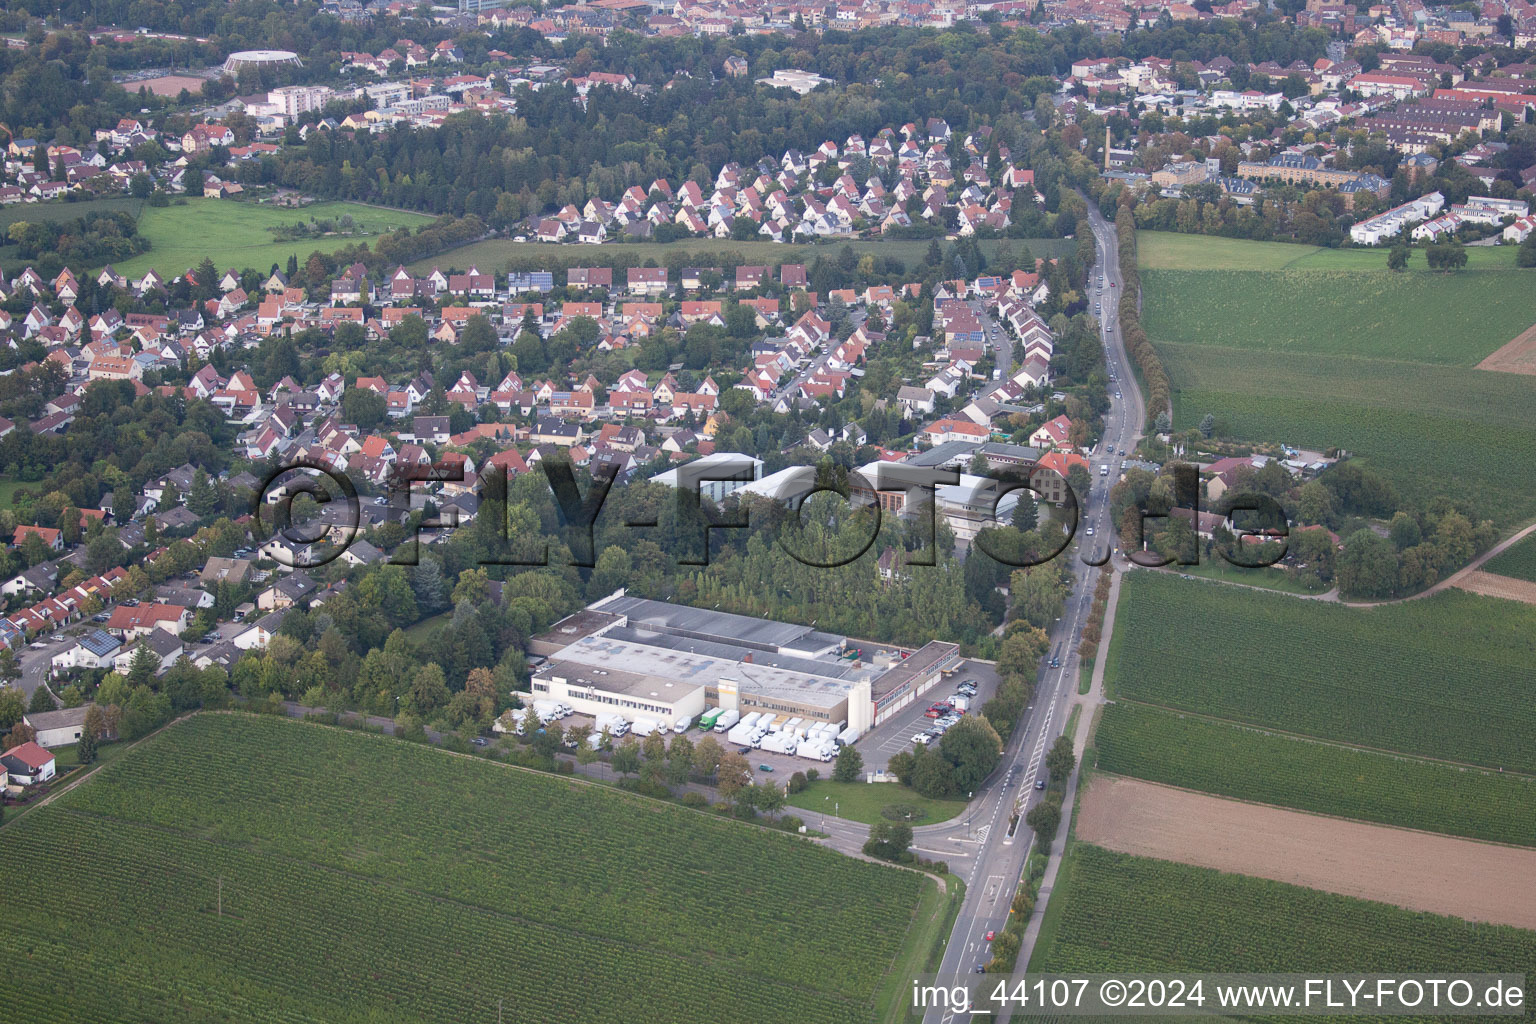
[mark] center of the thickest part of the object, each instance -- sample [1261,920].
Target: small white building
[58,728]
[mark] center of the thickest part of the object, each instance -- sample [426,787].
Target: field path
[1418,870]
[1493,585]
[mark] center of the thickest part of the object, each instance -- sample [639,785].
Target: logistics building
[654,659]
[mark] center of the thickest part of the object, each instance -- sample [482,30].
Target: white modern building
[1388,225]
[715,475]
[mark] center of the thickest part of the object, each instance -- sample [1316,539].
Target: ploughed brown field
[1519,356]
[1417,870]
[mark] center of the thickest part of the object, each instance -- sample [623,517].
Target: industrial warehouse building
[637,657]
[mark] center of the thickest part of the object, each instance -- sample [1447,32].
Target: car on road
[981,968]
[990,936]
[1090,531]
[479,741]
[1117,394]
[1055,663]
[103,617]
[1039,783]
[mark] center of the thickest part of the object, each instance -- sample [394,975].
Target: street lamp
[970,810]
[824,811]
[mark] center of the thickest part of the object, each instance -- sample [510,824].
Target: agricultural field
[236,235]
[1430,430]
[1173,250]
[1249,764]
[1517,561]
[494,255]
[1447,676]
[1138,914]
[1322,348]
[308,873]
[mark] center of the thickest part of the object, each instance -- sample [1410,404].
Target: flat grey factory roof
[833,668]
[621,665]
[707,623]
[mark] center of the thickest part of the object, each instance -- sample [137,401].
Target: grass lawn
[1215,568]
[235,234]
[495,255]
[1518,561]
[427,627]
[8,489]
[863,801]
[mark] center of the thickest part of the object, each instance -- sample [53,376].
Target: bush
[798,782]
[695,800]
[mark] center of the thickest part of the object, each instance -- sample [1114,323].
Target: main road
[997,860]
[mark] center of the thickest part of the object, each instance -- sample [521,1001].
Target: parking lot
[892,737]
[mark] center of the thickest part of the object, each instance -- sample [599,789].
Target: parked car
[765,767]
[743,750]
[1039,783]
[922,738]
[479,741]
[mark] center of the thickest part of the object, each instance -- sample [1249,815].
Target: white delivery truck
[645,726]
[740,734]
[791,725]
[682,724]
[726,720]
[848,735]
[750,719]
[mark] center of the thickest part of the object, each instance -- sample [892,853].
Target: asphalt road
[994,864]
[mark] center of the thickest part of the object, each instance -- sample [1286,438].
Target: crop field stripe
[1132,913]
[1247,763]
[1518,561]
[1440,677]
[367,879]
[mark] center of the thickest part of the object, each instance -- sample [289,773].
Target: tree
[202,499]
[1060,761]
[626,759]
[849,765]
[1314,504]
[932,775]
[735,776]
[1207,425]
[10,669]
[1026,514]
[707,755]
[1397,258]
[13,704]
[1044,818]
[1367,567]
[973,747]
[85,749]
[889,840]
[1404,531]
[1525,256]
[41,701]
